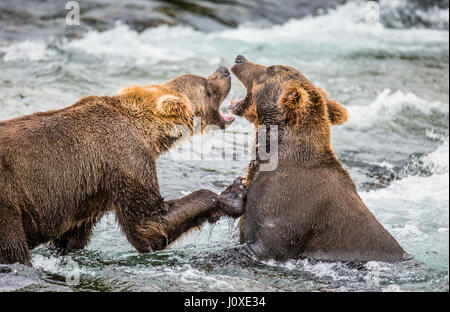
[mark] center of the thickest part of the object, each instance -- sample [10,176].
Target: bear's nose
[240,59]
[224,71]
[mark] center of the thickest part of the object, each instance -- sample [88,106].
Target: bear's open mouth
[227,119]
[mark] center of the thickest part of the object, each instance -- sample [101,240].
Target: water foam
[344,24]
[439,159]
[387,105]
[416,209]
[342,30]
[26,51]
[199,280]
[149,47]
[297,38]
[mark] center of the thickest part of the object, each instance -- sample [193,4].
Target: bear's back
[316,212]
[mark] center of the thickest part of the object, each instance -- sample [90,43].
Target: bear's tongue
[226,118]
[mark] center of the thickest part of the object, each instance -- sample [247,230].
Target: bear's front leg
[198,207]
[151,224]
[233,198]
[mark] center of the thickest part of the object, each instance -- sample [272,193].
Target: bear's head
[202,95]
[281,94]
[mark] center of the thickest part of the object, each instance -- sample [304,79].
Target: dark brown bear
[61,170]
[308,205]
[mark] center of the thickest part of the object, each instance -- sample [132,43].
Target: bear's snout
[240,59]
[223,71]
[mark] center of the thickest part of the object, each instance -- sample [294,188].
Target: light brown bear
[308,206]
[61,170]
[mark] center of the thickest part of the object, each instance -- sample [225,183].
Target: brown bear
[308,206]
[61,170]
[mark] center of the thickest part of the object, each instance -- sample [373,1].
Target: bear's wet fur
[308,206]
[62,170]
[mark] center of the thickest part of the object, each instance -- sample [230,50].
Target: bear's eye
[210,89]
[211,92]
[271,69]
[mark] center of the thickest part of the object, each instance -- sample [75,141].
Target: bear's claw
[233,198]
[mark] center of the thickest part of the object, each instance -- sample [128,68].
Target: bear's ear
[292,102]
[336,113]
[172,106]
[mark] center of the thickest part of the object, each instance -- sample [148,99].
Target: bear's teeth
[234,103]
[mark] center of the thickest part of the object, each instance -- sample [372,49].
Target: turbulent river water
[392,77]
